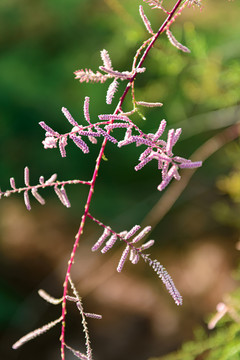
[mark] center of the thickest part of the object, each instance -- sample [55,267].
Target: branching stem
[96,169]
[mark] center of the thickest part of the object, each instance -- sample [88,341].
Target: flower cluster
[157,149]
[88,75]
[53,138]
[133,253]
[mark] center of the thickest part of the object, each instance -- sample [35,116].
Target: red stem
[95,174]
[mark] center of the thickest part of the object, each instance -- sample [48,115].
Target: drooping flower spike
[134,253]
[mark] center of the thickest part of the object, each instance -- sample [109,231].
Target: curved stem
[95,174]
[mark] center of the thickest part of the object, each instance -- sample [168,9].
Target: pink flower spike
[145,153]
[123,258]
[134,256]
[116,126]
[12,183]
[106,59]
[140,140]
[165,168]
[62,144]
[106,135]
[65,197]
[101,240]
[51,179]
[80,143]
[132,232]
[26,200]
[109,243]
[143,163]
[26,176]
[69,117]
[113,117]
[86,109]
[125,142]
[111,91]
[41,180]
[180,159]
[175,172]
[37,196]
[190,165]
[160,130]
[147,245]
[164,183]
[176,136]
[170,142]
[93,316]
[48,129]
[141,234]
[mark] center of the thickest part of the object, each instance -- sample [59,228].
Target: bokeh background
[42,42]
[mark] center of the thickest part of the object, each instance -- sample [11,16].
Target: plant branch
[175,189]
[96,169]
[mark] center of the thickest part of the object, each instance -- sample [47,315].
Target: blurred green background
[42,42]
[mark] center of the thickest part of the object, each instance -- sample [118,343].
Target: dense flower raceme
[134,252]
[156,148]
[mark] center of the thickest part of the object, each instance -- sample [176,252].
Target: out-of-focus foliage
[227,209]
[221,343]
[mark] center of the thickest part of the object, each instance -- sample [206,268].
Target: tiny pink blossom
[49,142]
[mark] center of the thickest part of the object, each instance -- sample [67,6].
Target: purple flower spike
[26,176]
[147,245]
[69,117]
[86,109]
[48,129]
[113,117]
[177,135]
[169,144]
[106,59]
[134,256]
[132,232]
[101,240]
[106,135]
[62,144]
[109,243]
[164,183]
[143,163]
[123,258]
[111,91]
[141,234]
[190,165]
[145,153]
[140,140]
[80,143]
[26,200]
[160,130]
